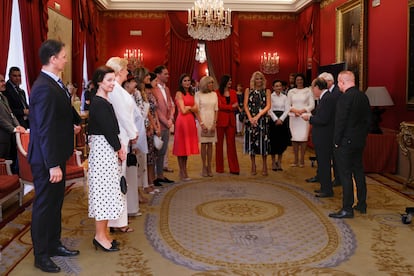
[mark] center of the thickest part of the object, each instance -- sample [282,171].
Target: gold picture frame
[351,39]
[60,28]
[410,56]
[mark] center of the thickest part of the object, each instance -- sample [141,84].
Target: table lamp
[378,97]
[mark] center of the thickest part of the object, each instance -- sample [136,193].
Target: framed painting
[351,39]
[410,56]
[60,28]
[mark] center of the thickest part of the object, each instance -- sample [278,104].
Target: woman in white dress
[207,104]
[123,105]
[300,100]
[105,198]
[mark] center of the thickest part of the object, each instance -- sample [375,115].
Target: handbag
[123,184]
[158,142]
[211,132]
[131,159]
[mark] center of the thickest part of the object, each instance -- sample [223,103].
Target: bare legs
[253,161]
[101,235]
[277,165]
[302,146]
[204,159]
[182,164]
[264,162]
[299,149]
[264,168]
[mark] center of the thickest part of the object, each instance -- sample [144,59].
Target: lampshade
[379,96]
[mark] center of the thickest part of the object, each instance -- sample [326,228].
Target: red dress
[185,132]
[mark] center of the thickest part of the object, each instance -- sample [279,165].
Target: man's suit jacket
[336,92]
[323,121]
[7,125]
[51,123]
[226,113]
[352,119]
[16,103]
[165,110]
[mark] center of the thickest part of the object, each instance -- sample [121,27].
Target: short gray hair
[326,76]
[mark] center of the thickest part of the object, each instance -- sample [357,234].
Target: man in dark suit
[335,92]
[352,123]
[17,97]
[52,126]
[322,121]
[8,123]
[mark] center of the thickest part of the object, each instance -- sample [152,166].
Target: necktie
[22,97]
[63,87]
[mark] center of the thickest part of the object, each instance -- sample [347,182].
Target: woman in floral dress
[256,105]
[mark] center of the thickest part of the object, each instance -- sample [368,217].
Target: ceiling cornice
[183,5]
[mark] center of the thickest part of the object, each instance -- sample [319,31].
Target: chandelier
[207,20]
[135,58]
[201,55]
[269,63]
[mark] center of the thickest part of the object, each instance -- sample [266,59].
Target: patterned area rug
[246,224]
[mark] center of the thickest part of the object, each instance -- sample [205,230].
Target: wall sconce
[135,58]
[269,63]
[378,96]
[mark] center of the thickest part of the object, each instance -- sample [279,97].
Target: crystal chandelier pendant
[269,63]
[207,20]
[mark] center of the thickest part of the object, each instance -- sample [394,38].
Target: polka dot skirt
[106,202]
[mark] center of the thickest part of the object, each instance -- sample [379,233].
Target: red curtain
[78,39]
[33,15]
[6,8]
[85,31]
[182,49]
[219,58]
[307,36]
[224,55]
[92,47]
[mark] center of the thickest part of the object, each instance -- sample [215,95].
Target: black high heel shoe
[98,245]
[115,243]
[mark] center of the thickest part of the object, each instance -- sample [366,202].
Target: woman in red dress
[185,134]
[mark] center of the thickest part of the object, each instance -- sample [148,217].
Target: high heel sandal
[204,173]
[111,249]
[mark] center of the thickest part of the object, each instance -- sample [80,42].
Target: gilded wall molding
[134,14]
[325,3]
[266,16]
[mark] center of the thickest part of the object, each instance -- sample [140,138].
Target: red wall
[252,44]
[115,37]
[65,7]
[386,55]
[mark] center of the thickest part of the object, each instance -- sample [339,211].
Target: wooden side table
[406,142]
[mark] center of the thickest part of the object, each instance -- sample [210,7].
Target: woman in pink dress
[185,134]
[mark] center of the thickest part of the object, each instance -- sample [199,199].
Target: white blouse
[279,103]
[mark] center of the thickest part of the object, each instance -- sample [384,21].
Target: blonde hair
[204,83]
[254,75]
[117,64]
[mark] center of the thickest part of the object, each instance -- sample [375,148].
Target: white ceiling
[183,5]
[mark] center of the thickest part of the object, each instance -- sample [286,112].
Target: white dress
[299,99]
[207,104]
[123,105]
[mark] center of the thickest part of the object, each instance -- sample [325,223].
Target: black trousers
[349,164]
[47,206]
[323,156]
